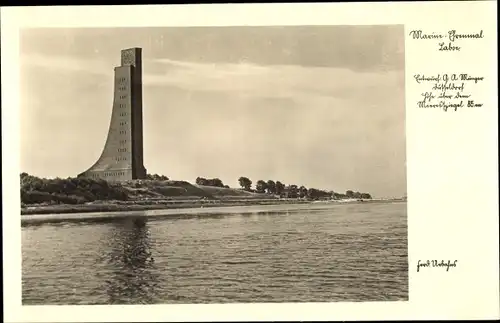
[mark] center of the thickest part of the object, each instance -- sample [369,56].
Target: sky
[319,106]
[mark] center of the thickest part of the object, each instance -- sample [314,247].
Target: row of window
[96,175]
[122,150]
[123,132]
[123,142]
[122,88]
[114,174]
[119,158]
[122,106]
[122,97]
[123,123]
[123,114]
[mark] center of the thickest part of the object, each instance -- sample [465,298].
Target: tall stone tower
[122,156]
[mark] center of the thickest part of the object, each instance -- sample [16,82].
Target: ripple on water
[346,253]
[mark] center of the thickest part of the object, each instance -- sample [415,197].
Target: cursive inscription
[447,91]
[436,264]
[446,41]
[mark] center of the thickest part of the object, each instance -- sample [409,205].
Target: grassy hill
[222,193]
[76,195]
[36,190]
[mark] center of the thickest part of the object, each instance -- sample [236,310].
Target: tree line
[278,188]
[296,191]
[81,189]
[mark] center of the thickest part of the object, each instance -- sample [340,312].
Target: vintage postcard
[250,162]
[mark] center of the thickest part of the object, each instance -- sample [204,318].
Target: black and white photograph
[213,165]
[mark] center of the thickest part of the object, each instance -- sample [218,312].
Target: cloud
[244,79]
[65,64]
[359,48]
[274,81]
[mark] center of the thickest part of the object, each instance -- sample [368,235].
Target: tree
[339,196]
[292,191]
[366,196]
[280,187]
[156,177]
[349,194]
[302,192]
[245,183]
[216,182]
[261,186]
[271,187]
[312,193]
[356,195]
[201,181]
[315,194]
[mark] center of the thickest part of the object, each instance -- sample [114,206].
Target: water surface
[355,252]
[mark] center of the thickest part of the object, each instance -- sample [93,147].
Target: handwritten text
[436,264]
[446,41]
[447,91]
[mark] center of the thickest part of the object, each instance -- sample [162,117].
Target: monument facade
[122,156]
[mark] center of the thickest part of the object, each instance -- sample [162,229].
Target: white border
[452,162]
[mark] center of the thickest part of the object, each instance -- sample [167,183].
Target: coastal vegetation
[216,182]
[158,191]
[81,190]
[295,191]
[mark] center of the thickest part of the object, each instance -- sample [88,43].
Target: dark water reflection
[132,277]
[343,253]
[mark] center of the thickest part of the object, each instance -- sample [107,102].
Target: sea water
[350,252]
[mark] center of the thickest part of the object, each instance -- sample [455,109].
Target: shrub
[36,190]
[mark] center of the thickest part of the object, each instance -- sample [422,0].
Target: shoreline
[114,206]
[159,211]
[148,205]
